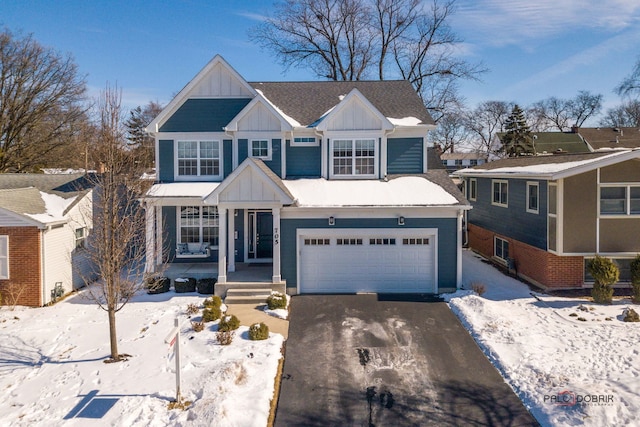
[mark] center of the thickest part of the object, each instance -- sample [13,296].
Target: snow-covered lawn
[555,351]
[52,371]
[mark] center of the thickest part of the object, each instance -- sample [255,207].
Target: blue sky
[533,49]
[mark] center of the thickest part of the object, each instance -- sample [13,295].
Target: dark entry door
[264,235]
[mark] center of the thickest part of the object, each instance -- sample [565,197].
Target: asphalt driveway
[367,360]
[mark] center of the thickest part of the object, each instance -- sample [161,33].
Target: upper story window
[500,193]
[81,236]
[198,158]
[4,257]
[473,189]
[533,194]
[620,200]
[260,148]
[353,157]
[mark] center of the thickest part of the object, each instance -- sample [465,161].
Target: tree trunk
[112,334]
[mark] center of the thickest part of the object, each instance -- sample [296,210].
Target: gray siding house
[331,185]
[546,216]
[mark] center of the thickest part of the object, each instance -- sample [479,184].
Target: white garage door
[367,260]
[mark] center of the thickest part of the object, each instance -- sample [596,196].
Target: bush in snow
[478,288]
[228,323]
[211,313]
[605,273]
[197,326]
[630,315]
[224,337]
[635,279]
[277,300]
[192,309]
[214,301]
[258,331]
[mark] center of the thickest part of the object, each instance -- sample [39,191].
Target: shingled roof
[552,142]
[598,138]
[306,102]
[64,185]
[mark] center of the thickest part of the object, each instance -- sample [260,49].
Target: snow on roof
[405,121]
[293,122]
[55,207]
[403,191]
[182,189]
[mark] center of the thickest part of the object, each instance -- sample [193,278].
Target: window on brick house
[4,257]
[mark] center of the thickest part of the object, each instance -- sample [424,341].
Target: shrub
[206,286]
[214,301]
[192,309]
[258,331]
[184,285]
[228,323]
[157,285]
[630,315]
[635,279]
[605,273]
[197,326]
[224,337]
[479,288]
[210,314]
[277,300]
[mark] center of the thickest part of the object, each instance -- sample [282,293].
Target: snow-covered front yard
[572,362]
[52,371]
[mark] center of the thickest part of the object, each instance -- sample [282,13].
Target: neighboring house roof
[31,203]
[463,156]
[550,166]
[434,189]
[65,185]
[599,138]
[552,142]
[306,102]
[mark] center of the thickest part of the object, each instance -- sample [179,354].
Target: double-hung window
[199,224]
[620,200]
[81,235]
[261,149]
[500,193]
[198,158]
[4,257]
[473,189]
[501,248]
[532,197]
[353,157]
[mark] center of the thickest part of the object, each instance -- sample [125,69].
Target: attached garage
[352,260]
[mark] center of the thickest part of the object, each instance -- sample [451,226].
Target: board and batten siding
[204,115]
[275,164]
[166,161]
[513,221]
[447,242]
[405,155]
[227,160]
[303,161]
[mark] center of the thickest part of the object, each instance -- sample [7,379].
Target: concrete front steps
[249,294]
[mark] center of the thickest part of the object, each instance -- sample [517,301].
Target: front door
[260,235]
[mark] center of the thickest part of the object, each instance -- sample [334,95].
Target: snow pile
[281,313]
[572,362]
[52,368]
[405,121]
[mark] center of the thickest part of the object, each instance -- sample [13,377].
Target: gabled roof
[550,167]
[286,122]
[64,185]
[306,102]
[354,96]
[34,205]
[598,138]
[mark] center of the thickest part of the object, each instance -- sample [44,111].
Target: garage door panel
[367,260]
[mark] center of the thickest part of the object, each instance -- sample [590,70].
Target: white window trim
[269,148]
[493,202]
[353,175]
[529,185]
[4,241]
[495,246]
[473,184]
[179,225]
[197,177]
[316,142]
[627,187]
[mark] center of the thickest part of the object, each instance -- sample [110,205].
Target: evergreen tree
[518,140]
[141,143]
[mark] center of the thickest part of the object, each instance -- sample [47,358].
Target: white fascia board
[292,212]
[232,126]
[355,93]
[600,163]
[183,95]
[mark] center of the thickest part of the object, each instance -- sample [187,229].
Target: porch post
[222,245]
[159,254]
[276,246]
[150,219]
[232,241]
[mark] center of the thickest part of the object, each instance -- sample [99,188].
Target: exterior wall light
[401,220]
[332,221]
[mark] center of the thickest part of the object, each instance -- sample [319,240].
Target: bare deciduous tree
[116,244]
[452,132]
[562,114]
[41,98]
[353,39]
[630,86]
[483,122]
[626,114]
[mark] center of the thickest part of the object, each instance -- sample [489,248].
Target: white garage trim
[364,234]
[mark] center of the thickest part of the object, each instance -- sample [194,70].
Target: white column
[150,253]
[276,246]
[159,249]
[222,245]
[232,241]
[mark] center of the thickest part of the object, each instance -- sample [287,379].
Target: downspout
[459,250]
[43,282]
[386,145]
[324,157]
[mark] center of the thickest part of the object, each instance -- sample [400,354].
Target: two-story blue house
[330,183]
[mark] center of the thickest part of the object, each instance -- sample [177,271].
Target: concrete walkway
[251,313]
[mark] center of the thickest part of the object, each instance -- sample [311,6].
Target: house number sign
[276,236]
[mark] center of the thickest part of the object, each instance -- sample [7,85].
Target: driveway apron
[373,360]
